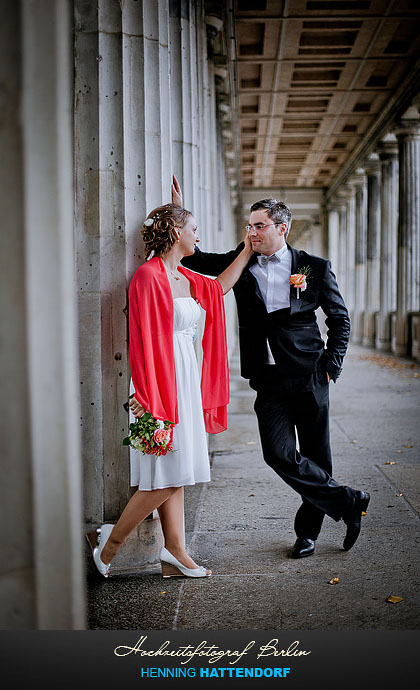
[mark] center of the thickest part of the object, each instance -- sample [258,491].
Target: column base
[400,349]
[368,337]
[383,345]
[368,341]
[415,334]
[383,332]
[401,340]
[357,326]
[393,332]
[139,553]
[369,329]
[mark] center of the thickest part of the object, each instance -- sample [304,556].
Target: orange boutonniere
[300,280]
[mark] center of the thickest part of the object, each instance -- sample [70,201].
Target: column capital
[214,24]
[407,129]
[331,206]
[347,190]
[339,197]
[372,165]
[358,179]
[387,149]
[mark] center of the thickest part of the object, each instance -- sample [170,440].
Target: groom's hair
[277,211]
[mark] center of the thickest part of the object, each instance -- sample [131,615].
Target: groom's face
[266,236]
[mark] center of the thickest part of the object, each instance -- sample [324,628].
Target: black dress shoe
[303,547]
[354,518]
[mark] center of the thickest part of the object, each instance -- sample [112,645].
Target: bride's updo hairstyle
[159,228]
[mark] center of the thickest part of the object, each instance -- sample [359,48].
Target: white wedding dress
[188,463]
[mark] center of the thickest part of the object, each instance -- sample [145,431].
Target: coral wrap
[151,315]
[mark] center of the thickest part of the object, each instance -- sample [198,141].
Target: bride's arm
[232,273]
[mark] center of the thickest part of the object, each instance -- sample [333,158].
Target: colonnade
[145,108]
[103,101]
[374,231]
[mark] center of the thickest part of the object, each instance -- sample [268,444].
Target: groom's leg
[276,413]
[314,443]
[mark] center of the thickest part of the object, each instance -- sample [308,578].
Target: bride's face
[188,236]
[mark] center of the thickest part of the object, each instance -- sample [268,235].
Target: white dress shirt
[272,274]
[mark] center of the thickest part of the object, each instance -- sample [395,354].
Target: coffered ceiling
[313,76]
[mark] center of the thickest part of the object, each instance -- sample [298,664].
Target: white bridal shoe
[171,567]
[97,541]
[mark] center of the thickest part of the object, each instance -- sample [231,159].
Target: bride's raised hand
[247,242]
[176,192]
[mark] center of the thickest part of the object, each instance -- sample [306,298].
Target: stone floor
[241,524]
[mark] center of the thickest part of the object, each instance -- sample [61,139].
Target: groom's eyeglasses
[258,226]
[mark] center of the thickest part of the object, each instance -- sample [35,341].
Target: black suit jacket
[293,334]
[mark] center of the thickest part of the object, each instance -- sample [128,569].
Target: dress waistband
[190,332]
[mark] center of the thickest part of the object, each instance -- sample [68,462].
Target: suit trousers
[284,408]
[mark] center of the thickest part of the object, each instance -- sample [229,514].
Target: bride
[163,313]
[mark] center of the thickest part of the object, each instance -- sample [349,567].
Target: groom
[288,365]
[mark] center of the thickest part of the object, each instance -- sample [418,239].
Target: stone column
[122,156]
[351,248]
[349,295]
[52,428]
[341,270]
[184,100]
[212,220]
[17,566]
[360,183]
[157,121]
[388,154]
[408,135]
[202,86]
[148,82]
[373,171]
[333,235]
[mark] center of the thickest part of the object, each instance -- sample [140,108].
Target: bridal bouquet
[150,435]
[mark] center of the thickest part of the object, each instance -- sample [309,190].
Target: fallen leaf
[364,513]
[400,451]
[415,376]
[407,446]
[394,600]
[353,441]
[335,581]
[390,462]
[163,592]
[251,494]
[398,495]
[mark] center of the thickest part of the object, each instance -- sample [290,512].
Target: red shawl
[151,316]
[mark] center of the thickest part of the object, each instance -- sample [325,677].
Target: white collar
[277,256]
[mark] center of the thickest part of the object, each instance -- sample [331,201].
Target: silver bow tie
[263,260]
